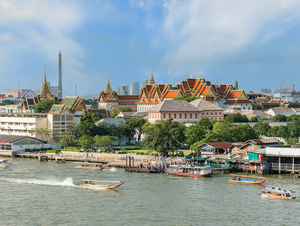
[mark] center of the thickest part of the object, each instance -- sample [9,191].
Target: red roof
[217,145]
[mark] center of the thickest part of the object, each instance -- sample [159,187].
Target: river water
[47,193]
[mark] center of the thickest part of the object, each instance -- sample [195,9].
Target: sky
[256,43]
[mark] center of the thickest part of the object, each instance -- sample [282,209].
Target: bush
[28,149]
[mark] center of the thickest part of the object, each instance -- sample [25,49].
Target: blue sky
[255,42]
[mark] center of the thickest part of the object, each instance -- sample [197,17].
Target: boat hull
[247,182]
[271,195]
[100,185]
[190,175]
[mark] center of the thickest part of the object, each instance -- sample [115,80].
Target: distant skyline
[255,42]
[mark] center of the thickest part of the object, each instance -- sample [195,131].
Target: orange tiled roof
[234,94]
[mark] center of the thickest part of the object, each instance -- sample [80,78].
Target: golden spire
[151,81]
[108,88]
[45,89]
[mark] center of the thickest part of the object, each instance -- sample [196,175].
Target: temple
[151,94]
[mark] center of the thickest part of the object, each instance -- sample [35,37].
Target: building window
[185,115]
[191,115]
[211,113]
[180,115]
[169,115]
[215,113]
[164,116]
[63,123]
[206,113]
[202,113]
[220,113]
[174,115]
[195,115]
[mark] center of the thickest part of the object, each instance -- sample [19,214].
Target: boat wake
[113,169]
[68,182]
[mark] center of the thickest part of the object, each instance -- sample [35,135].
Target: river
[47,193]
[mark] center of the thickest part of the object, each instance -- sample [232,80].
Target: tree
[293,129]
[45,106]
[115,112]
[164,136]
[253,119]
[194,133]
[236,117]
[67,140]
[206,123]
[292,118]
[104,141]
[262,127]
[86,141]
[43,134]
[186,98]
[91,117]
[279,118]
[136,126]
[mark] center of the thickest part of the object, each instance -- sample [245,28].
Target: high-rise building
[135,88]
[123,89]
[145,82]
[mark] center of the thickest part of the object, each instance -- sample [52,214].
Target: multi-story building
[123,89]
[25,124]
[182,111]
[135,88]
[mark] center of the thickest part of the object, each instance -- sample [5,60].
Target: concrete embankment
[115,160]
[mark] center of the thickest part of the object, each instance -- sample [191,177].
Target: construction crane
[292,91]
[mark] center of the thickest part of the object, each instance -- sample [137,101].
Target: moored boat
[189,171]
[277,193]
[96,184]
[248,179]
[88,165]
[4,163]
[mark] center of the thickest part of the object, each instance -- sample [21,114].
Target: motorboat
[278,193]
[247,179]
[96,184]
[88,165]
[189,171]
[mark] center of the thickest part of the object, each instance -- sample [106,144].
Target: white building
[123,89]
[24,124]
[135,88]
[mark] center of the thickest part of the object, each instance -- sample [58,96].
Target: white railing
[283,166]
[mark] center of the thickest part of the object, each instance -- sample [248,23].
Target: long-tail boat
[248,179]
[88,165]
[4,163]
[277,193]
[97,184]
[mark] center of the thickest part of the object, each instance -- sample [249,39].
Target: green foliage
[194,133]
[293,118]
[91,117]
[279,118]
[186,98]
[67,140]
[164,136]
[206,123]
[253,119]
[45,106]
[115,112]
[293,129]
[262,127]
[291,141]
[104,141]
[6,102]
[135,125]
[43,134]
[236,117]
[86,141]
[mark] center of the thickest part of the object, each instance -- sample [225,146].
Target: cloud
[38,29]
[200,33]
[6,37]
